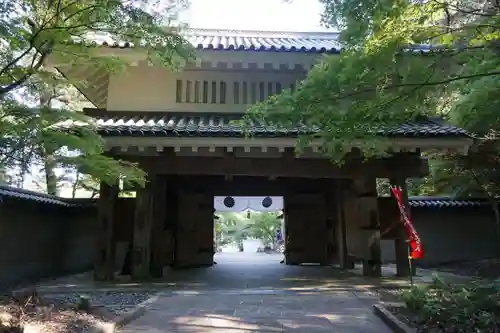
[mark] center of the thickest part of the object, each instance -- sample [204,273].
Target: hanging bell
[248,214]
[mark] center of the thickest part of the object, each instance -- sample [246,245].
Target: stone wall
[42,236]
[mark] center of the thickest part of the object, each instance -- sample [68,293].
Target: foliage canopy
[402,60]
[234,228]
[32,94]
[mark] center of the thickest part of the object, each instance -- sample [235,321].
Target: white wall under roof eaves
[218,81]
[145,88]
[209,90]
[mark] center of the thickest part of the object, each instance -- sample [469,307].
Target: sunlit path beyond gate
[254,293]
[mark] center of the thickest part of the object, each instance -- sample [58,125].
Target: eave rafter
[266,147]
[92,81]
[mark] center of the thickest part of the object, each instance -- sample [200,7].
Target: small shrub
[459,307]
[415,298]
[83,304]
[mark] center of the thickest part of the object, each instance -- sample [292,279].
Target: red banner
[417,250]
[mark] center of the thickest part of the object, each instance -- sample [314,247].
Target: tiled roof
[445,202]
[246,40]
[415,202]
[236,40]
[223,125]
[22,194]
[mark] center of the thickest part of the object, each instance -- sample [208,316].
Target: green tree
[381,79]
[34,30]
[263,226]
[233,228]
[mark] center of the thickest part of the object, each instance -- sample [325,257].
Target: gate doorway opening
[249,229]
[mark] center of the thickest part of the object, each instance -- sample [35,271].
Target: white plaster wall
[154,89]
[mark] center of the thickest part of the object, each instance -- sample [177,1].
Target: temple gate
[179,127]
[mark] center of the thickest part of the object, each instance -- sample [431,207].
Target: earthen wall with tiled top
[39,240]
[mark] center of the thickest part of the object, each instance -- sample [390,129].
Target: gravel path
[114,301]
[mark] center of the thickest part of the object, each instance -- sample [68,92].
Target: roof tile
[445,202]
[217,125]
[22,194]
[235,40]
[240,40]
[415,202]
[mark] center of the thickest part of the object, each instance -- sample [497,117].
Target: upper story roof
[240,40]
[251,41]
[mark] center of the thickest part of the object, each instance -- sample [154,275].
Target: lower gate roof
[194,124]
[8,192]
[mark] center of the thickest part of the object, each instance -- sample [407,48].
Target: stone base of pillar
[402,261]
[348,263]
[372,268]
[166,271]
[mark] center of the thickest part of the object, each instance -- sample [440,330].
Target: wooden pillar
[105,257]
[158,243]
[400,243]
[331,222]
[306,230]
[143,223]
[171,220]
[340,231]
[368,225]
[194,239]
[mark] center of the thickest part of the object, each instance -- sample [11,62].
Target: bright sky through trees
[298,15]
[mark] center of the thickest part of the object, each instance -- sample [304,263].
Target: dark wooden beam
[104,269]
[406,165]
[158,253]
[143,226]
[250,186]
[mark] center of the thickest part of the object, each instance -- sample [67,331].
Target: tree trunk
[50,175]
[46,152]
[75,185]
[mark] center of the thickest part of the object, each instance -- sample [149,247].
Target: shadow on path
[254,293]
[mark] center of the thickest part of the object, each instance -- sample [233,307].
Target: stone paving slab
[252,293]
[218,313]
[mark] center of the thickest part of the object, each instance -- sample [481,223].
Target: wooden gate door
[305,225]
[194,246]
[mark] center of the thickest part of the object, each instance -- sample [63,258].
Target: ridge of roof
[233,40]
[329,35]
[248,40]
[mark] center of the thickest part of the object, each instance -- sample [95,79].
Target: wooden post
[341,232]
[105,258]
[169,243]
[306,232]
[158,260]
[194,242]
[403,267]
[143,221]
[368,226]
[333,245]
[372,266]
